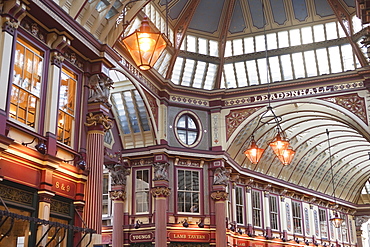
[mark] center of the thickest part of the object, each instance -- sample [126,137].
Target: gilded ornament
[99,119]
[161,191]
[117,194]
[219,195]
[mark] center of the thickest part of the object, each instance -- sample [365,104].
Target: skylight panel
[310,61]
[356,24]
[229,75]
[275,68]
[188,72]
[287,67]
[260,43]
[322,59]
[283,39]
[213,48]
[252,72]
[203,48]
[262,68]
[142,111]
[237,47]
[298,65]
[131,111]
[177,68]
[249,45]
[295,37]
[335,59]
[199,74]
[240,74]
[307,37]
[347,55]
[319,34]
[271,41]
[331,30]
[191,43]
[210,77]
[228,50]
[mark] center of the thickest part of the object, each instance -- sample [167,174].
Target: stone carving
[221,176]
[161,191]
[118,173]
[117,194]
[359,220]
[219,195]
[160,171]
[100,86]
[98,119]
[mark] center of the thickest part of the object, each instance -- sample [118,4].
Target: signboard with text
[191,236]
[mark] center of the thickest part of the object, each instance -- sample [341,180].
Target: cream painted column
[9,21]
[220,197]
[266,210]
[43,214]
[248,200]
[160,192]
[283,217]
[118,195]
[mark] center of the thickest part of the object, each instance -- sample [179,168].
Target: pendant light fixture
[280,145]
[144,44]
[336,219]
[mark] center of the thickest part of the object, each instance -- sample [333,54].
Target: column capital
[45,196]
[100,85]
[56,59]
[98,120]
[117,195]
[118,173]
[219,195]
[160,191]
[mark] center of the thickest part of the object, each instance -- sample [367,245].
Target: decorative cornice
[160,192]
[117,195]
[219,195]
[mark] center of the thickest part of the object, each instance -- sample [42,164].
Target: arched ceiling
[305,124]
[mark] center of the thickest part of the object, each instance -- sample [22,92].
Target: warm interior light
[336,220]
[145,46]
[281,149]
[145,42]
[287,156]
[254,153]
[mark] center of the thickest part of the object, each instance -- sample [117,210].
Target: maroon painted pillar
[118,196]
[97,122]
[220,196]
[119,174]
[160,193]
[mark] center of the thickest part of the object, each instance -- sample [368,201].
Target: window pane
[287,67]
[322,59]
[237,47]
[283,39]
[249,45]
[274,65]
[319,34]
[252,72]
[331,30]
[188,191]
[295,37]
[335,60]
[310,61]
[307,35]
[298,65]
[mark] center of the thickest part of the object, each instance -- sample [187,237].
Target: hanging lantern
[287,156]
[336,220]
[254,153]
[145,46]
[280,148]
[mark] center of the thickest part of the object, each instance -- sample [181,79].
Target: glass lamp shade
[336,220]
[287,156]
[254,153]
[145,46]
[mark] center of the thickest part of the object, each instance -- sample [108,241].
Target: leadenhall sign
[141,237]
[189,236]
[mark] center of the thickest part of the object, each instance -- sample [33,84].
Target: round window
[187,129]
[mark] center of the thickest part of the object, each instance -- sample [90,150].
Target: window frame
[257,209]
[273,213]
[134,202]
[325,219]
[198,124]
[74,120]
[297,217]
[200,189]
[28,41]
[239,204]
